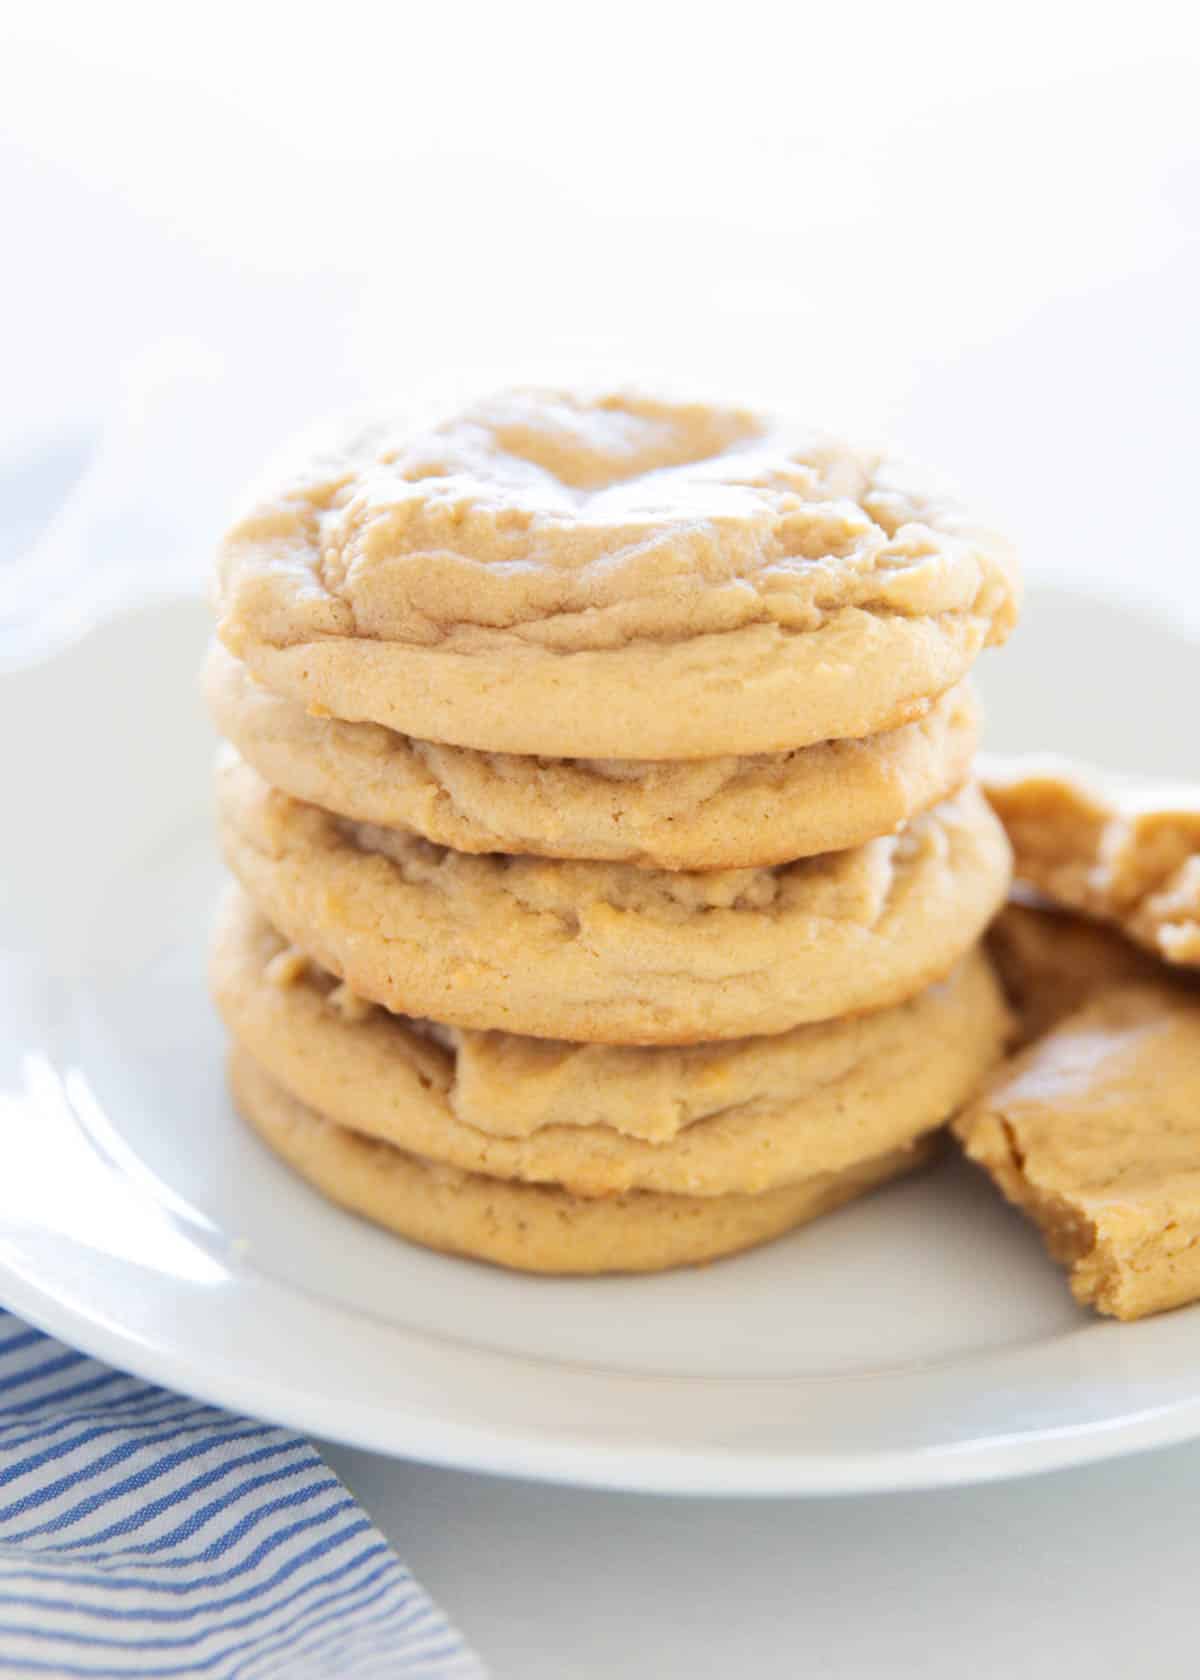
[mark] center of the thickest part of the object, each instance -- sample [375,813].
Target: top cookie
[610,576]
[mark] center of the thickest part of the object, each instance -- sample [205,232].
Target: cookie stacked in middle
[611,878]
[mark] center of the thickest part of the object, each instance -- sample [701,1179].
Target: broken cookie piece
[1123,851]
[1094,1132]
[1052,963]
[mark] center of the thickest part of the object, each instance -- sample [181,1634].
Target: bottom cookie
[535,1228]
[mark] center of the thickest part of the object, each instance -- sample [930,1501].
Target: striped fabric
[144,1534]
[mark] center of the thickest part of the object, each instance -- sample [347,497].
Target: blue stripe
[63,1671]
[171,1426]
[326,1605]
[48,1368]
[445,1648]
[107,1612]
[23,1339]
[179,1642]
[137,1557]
[416,1613]
[369,1639]
[166,1502]
[330,1627]
[286,1645]
[147,1554]
[178,1588]
[105,1380]
[200,1665]
[137,1396]
[407,1626]
[133,1400]
[140,1478]
[216,1507]
[446,1656]
[140,1411]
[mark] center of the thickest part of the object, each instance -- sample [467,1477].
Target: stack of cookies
[610,875]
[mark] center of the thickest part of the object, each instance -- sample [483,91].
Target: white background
[975,228]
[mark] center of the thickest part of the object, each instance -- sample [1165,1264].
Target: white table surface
[1089,1572]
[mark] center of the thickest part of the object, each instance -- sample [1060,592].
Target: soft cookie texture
[1123,851]
[1095,1132]
[715,813]
[535,1228]
[609,576]
[611,953]
[1052,962]
[744,1116]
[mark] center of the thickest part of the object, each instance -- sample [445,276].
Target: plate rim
[678,1471]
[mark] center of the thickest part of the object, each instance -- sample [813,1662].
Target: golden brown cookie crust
[610,576]
[1125,852]
[723,813]
[1094,1131]
[527,1227]
[740,1117]
[610,953]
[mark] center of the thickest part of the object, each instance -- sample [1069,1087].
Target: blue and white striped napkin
[142,1533]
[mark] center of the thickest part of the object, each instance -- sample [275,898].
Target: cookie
[609,576]
[1123,851]
[600,952]
[718,813]
[1052,962]
[744,1116]
[1094,1131]
[534,1227]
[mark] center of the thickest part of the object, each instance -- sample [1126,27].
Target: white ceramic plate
[919,1338]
